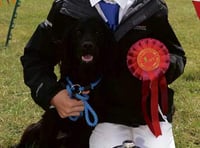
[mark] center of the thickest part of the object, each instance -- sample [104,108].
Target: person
[119,108]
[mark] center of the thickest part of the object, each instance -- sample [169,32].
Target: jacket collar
[137,13]
[122,3]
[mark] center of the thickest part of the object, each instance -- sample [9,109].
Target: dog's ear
[66,48]
[110,53]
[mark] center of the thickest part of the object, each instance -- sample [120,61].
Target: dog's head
[88,42]
[88,50]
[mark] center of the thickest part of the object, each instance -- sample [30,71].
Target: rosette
[148,60]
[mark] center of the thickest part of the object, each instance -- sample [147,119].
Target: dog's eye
[78,32]
[99,33]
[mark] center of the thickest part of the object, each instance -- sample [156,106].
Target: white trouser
[109,135]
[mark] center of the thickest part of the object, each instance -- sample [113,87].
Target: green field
[17,110]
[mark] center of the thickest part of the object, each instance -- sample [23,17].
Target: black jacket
[121,91]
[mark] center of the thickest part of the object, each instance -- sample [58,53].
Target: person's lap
[108,135]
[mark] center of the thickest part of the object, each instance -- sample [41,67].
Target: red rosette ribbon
[148,60]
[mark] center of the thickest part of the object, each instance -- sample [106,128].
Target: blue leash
[76,90]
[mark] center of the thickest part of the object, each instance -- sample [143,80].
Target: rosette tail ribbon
[152,92]
[148,60]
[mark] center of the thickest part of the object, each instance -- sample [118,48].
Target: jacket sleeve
[38,63]
[163,31]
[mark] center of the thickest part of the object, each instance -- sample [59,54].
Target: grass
[18,110]
[187,87]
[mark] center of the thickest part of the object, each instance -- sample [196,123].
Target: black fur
[88,37]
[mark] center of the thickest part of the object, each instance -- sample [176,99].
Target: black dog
[85,58]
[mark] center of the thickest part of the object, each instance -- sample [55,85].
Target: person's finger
[76,111]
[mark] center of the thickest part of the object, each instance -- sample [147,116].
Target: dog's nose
[88,45]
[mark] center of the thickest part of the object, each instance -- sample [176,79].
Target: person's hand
[67,106]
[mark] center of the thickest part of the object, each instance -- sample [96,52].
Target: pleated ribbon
[148,60]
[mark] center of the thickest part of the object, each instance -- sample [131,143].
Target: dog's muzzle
[87,58]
